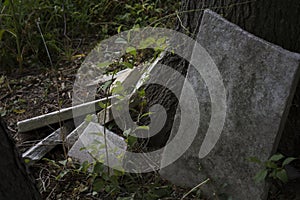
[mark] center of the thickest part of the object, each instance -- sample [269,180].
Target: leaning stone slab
[260,79]
[61,115]
[91,146]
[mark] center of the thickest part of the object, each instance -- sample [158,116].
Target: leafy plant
[273,168]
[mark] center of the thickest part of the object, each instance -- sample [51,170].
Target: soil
[39,91]
[33,93]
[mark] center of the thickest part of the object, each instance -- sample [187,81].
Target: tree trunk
[15,182]
[277,21]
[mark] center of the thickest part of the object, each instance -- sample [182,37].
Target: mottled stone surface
[91,146]
[75,134]
[130,78]
[260,79]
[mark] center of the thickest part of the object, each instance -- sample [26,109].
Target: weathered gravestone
[260,80]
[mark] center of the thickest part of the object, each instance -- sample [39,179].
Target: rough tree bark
[15,181]
[276,21]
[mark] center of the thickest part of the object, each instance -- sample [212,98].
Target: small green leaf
[12,32]
[6,3]
[119,28]
[22,100]
[51,162]
[82,148]
[2,78]
[142,128]
[281,175]
[104,64]
[131,50]
[1,33]
[105,176]
[146,43]
[98,185]
[273,173]
[255,160]
[19,111]
[114,180]
[103,105]
[142,93]
[62,174]
[119,172]
[118,88]
[288,161]
[84,166]
[136,27]
[146,114]
[63,162]
[128,36]
[131,140]
[128,65]
[161,40]
[270,164]
[3,112]
[261,175]
[108,188]
[127,132]
[276,157]
[106,85]
[88,118]
[98,168]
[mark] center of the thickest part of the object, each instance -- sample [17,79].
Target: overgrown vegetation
[273,168]
[52,34]
[48,33]
[66,179]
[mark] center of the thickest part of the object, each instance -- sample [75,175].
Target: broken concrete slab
[105,116]
[105,78]
[39,150]
[130,78]
[61,115]
[148,70]
[260,79]
[91,146]
[75,134]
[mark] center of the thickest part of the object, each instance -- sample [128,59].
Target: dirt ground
[39,91]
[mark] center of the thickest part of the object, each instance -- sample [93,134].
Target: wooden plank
[61,115]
